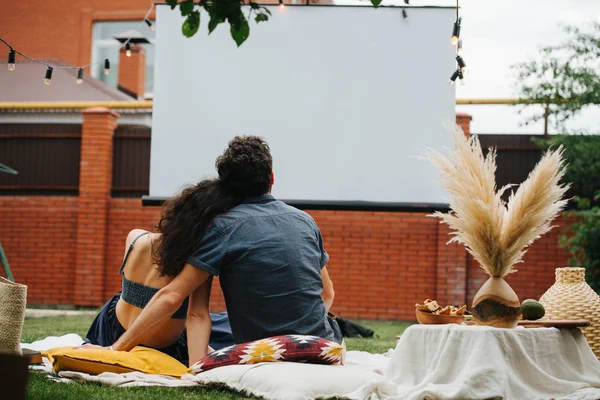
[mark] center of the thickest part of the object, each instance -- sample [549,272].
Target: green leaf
[191,24]
[240,32]
[376,3]
[172,3]
[186,7]
[213,23]
[261,18]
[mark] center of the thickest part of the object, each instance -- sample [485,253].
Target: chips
[432,306]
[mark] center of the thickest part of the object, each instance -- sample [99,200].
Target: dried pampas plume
[495,233]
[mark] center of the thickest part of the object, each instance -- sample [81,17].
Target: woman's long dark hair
[245,170]
[184,221]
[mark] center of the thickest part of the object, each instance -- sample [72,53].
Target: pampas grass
[495,233]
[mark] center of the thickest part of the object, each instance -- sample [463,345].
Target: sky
[499,33]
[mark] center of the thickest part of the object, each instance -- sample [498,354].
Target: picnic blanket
[429,362]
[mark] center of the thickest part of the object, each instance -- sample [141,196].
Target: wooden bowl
[429,318]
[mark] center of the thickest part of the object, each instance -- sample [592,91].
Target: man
[269,257]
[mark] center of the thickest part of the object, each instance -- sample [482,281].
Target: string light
[460,71]
[461,63]
[454,77]
[48,77]
[281,5]
[50,67]
[11,59]
[404,14]
[150,24]
[455,33]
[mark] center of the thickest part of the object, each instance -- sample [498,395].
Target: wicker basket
[13,299]
[572,298]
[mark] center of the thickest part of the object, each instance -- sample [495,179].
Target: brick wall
[68,249]
[381,263]
[38,235]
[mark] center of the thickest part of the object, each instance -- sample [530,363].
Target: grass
[40,387]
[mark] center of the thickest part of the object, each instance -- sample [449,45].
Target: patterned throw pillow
[297,348]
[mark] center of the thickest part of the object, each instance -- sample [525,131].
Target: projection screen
[347,98]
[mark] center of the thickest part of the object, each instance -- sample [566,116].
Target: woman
[153,260]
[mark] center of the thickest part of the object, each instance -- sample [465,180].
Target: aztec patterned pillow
[297,348]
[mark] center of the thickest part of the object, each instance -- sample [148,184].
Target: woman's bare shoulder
[133,234]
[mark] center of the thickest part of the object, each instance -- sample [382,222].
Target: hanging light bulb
[127,49]
[454,77]
[11,60]
[461,76]
[150,24]
[106,67]
[461,63]
[281,5]
[455,33]
[48,77]
[80,76]
[404,14]
[459,47]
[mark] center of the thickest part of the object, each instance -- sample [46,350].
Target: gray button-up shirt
[268,257]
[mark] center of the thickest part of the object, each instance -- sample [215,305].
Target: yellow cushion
[96,361]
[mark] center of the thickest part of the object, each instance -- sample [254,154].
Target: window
[104,45]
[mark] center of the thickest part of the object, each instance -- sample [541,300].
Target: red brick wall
[381,263]
[38,235]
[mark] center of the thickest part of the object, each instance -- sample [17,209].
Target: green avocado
[532,310]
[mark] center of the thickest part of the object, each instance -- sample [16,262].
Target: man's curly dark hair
[245,167]
[244,171]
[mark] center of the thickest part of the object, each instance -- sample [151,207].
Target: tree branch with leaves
[565,78]
[224,11]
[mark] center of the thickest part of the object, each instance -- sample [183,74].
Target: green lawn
[41,388]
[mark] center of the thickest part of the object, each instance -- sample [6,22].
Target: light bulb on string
[454,77]
[12,56]
[106,66]
[455,33]
[48,77]
[150,24]
[281,5]
[127,49]
[461,76]
[80,76]
[461,63]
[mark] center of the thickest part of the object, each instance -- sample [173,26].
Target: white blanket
[429,362]
[476,362]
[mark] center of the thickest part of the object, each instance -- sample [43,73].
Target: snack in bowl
[430,312]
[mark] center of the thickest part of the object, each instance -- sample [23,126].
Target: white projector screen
[346,97]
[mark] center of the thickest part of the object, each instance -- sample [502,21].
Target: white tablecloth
[475,362]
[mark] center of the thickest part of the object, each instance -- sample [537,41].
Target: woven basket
[572,298]
[13,299]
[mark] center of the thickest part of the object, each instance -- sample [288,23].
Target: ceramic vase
[496,304]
